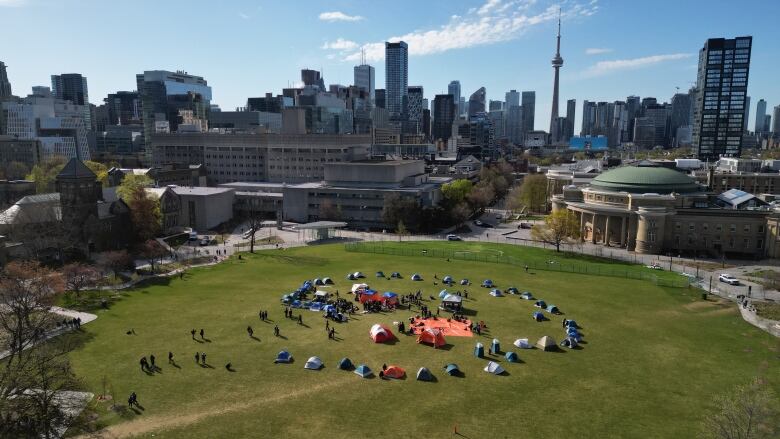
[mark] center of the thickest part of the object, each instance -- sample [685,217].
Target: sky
[611,48]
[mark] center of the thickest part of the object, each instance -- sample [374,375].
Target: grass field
[654,359]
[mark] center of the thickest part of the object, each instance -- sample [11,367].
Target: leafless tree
[153,251]
[750,412]
[116,261]
[79,276]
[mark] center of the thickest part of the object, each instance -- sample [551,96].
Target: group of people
[74,323]
[263,315]
[202,333]
[148,365]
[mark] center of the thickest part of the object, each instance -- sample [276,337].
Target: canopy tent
[552,309]
[494,368]
[538,316]
[452,298]
[327,281]
[569,342]
[479,350]
[487,283]
[283,357]
[447,279]
[512,357]
[451,302]
[364,371]
[522,343]
[416,277]
[380,274]
[546,343]
[370,295]
[443,294]
[380,333]
[526,295]
[512,290]
[390,298]
[423,374]
[395,372]
[495,347]
[432,336]
[451,369]
[495,292]
[313,363]
[395,275]
[318,282]
[464,281]
[345,364]
[540,304]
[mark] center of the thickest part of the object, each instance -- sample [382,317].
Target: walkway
[65,313]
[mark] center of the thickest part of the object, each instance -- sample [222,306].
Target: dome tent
[569,342]
[511,357]
[313,363]
[495,292]
[495,347]
[395,372]
[522,343]
[447,279]
[526,295]
[380,274]
[346,364]
[443,294]
[423,374]
[364,371]
[487,283]
[416,277]
[494,368]
[283,357]
[546,343]
[464,281]
[538,316]
[432,336]
[452,369]
[327,281]
[380,333]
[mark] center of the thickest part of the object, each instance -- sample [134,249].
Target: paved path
[65,313]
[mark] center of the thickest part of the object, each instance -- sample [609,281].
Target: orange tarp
[451,328]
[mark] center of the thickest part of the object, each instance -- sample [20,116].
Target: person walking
[193,334]
[170,357]
[197,357]
[151,358]
[201,334]
[327,325]
[526,268]
[203,358]
[276,330]
[143,363]
[250,331]
[300,319]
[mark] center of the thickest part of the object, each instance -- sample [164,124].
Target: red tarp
[451,328]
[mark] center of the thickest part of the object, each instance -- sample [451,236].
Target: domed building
[652,209]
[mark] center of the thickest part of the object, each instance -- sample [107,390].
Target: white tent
[496,293]
[546,343]
[358,274]
[522,343]
[452,298]
[321,293]
[313,363]
[494,368]
[356,287]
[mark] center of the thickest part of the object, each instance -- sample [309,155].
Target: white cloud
[12,3]
[340,44]
[244,16]
[339,16]
[495,21]
[597,51]
[605,67]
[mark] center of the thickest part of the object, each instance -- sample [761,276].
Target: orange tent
[433,337]
[370,295]
[394,372]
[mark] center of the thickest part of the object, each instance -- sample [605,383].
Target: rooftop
[645,178]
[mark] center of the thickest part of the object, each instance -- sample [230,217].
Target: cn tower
[557,63]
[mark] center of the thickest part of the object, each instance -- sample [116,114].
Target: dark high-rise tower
[477,102]
[444,114]
[396,77]
[70,87]
[557,63]
[722,82]
[5,84]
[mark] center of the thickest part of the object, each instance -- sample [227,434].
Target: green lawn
[654,357]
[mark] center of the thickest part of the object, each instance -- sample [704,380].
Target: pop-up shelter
[364,371]
[358,287]
[479,350]
[495,347]
[283,357]
[494,368]
[313,363]
[569,342]
[423,374]
[432,336]
[380,333]
[328,281]
[546,343]
[345,364]
[540,304]
[451,369]
[370,295]
[395,372]
[522,343]
[452,302]
[512,290]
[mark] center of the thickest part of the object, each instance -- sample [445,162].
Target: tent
[569,342]
[479,350]
[283,357]
[380,333]
[318,282]
[351,276]
[487,283]
[572,332]
[287,298]
[552,309]
[396,275]
[443,294]
[296,304]
[512,357]
[495,347]
[447,279]
[370,295]
[380,274]
[538,316]
[494,368]
[315,306]
[495,292]
[358,287]
[512,290]
[328,309]
[451,369]
[546,343]
[321,293]
[363,371]
[540,304]
[390,298]
[313,363]
[525,295]
[394,372]
[423,374]
[358,275]
[464,281]
[416,277]
[328,281]
[433,337]
[571,324]
[346,364]
[522,343]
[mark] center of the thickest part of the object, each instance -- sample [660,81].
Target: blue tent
[380,274]
[451,369]
[283,357]
[287,298]
[389,295]
[479,350]
[571,324]
[296,304]
[346,364]
[571,332]
[416,276]
[487,283]
[327,309]
[512,290]
[364,371]
[552,309]
[464,281]
[527,295]
[577,337]
[495,347]
[423,374]
[315,306]
[443,294]
[540,304]
[511,357]
[538,316]
[447,279]
[569,342]
[396,275]
[495,292]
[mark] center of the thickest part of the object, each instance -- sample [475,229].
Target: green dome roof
[645,179]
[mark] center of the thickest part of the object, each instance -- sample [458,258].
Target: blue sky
[611,48]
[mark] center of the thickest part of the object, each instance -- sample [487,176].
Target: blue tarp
[389,295]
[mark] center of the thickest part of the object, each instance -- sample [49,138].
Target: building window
[691,227]
[651,236]
[761,229]
[746,228]
[746,241]
[733,228]
[760,244]
[705,226]
[677,226]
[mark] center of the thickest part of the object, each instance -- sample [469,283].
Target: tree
[481,196]
[401,209]
[559,227]
[130,185]
[456,191]
[330,211]
[79,276]
[16,170]
[116,261]
[749,412]
[460,213]
[45,172]
[100,170]
[152,250]
[145,214]
[400,229]
[531,194]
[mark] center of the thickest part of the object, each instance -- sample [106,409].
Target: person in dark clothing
[250,331]
[201,333]
[197,357]
[170,357]
[276,330]
[143,363]
[193,334]
[203,358]
[229,366]
[300,319]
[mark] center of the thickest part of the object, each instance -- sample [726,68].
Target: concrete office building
[283,158]
[396,77]
[25,151]
[529,110]
[246,121]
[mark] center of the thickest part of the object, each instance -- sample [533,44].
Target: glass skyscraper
[396,77]
[72,87]
[724,65]
[364,79]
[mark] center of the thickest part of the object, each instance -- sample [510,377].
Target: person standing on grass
[203,358]
[170,357]
[327,325]
[197,357]
[201,334]
[151,358]
[300,319]
[276,330]
[193,334]
[143,363]
[250,331]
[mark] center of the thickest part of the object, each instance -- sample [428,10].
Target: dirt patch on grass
[720,306]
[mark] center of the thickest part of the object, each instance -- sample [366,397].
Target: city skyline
[600,67]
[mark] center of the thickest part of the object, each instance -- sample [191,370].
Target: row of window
[719,227]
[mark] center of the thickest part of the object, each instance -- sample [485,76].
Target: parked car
[205,241]
[452,237]
[729,279]
[524,226]
[483,224]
